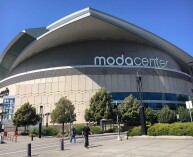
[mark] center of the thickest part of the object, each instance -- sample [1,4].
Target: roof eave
[11,44]
[152,38]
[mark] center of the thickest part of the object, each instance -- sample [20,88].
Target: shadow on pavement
[92,146]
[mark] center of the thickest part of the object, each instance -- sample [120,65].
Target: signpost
[189,106]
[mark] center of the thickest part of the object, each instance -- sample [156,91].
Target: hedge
[136,131]
[181,129]
[175,129]
[96,129]
[46,131]
[79,128]
[159,129]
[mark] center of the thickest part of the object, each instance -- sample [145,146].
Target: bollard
[32,137]
[1,141]
[15,139]
[29,149]
[62,144]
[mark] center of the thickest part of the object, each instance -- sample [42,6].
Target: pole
[118,138]
[70,125]
[62,144]
[32,137]
[47,114]
[190,115]
[142,111]
[40,123]
[40,129]
[29,149]
[190,111]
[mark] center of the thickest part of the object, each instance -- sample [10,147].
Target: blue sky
[172,20]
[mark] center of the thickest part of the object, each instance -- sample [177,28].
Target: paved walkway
[102,146]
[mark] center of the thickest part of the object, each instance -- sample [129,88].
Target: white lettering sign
[137,61]
[188,104]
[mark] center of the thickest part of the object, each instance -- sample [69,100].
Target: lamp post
[40,122]
[142,111]
[47,115]
[118,138]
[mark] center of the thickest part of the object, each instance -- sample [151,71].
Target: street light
[47,115]
[40,122]
[118,126]
[142,111]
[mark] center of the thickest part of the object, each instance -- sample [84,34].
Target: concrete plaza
[102,146]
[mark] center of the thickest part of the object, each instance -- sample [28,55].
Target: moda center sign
[128,61]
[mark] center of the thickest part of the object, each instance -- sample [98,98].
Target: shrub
[46,131]
[136,131]
[65,134]
[49,131]
[79,128]
[181,129]
[176,129]
[158,129]
[165,115]
[33,131]
[151,116]
[188,128]
[96,129]
[59,135]
[184,115]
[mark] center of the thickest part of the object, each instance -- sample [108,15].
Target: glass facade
[155,100]
[8,107]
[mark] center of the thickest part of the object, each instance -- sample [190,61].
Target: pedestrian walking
[72,134]
[85,132]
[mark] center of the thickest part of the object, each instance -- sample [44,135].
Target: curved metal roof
[86,24]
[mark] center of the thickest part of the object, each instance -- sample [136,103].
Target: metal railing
[8,137]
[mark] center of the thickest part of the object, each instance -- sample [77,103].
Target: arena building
[82,52]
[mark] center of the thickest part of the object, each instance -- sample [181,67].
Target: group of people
[85,131]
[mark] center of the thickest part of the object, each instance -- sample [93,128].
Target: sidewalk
[104,145]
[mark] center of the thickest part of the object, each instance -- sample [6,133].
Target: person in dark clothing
[85,132]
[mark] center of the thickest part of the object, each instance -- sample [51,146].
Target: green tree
[26,115]
[129,111]
[100,106]
[184,115]
[166,115]
[88,116]
[151,115]
[63,112]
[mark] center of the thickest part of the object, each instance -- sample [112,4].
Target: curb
[161,137]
